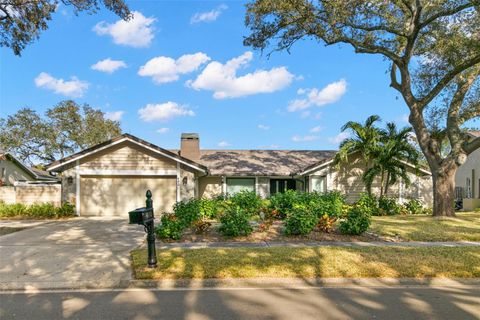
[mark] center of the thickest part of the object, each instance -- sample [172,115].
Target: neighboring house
[111,178]
[467,178]
[20,183]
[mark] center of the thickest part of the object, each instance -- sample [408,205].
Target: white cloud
[263,127]
[163,111]
[163,130]
[74,88]
[165,69]
[339,137]
[108,65]
[316,129]
[298,138]
[136,32]
[114,115]
[208,16]
[330,94]
[223,80]
[224,144]
[404,118]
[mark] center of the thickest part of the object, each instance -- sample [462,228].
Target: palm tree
[390,158]
[365,140]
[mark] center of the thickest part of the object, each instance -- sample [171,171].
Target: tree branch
[450,12]
[447,78]
[471,146]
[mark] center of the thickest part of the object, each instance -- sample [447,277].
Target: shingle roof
[261,162]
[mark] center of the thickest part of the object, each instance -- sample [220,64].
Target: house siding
[263,187]
[347,179]
[209,187]
[127,156]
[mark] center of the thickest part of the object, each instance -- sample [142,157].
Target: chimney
[190,146]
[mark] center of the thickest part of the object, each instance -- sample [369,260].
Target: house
[467,178]
[111,178]
[23,184]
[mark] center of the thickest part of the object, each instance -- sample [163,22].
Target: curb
[265,244]
[246,283]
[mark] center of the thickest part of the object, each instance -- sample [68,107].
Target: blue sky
[180,66]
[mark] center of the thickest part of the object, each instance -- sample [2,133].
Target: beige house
[111,178]
[20,183]
[467,179]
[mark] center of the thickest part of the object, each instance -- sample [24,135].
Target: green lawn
[465,227]
[308,262]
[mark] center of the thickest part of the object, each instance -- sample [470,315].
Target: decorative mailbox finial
[149,199]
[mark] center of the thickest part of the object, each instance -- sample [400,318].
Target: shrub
[389,206]
[234,222]
[325,223]
[210,208]
[329,204]
[65,210]
[187,212]
[414,206]
[37,210]
[300,221]
[356,222]
[368,203]
[171,227]
[248,201]
[282,203]
[12,210]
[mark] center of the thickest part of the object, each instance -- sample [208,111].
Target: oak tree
[21,21]
[432,46]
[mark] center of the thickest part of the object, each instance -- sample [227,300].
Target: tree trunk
[444,193]
[381,184]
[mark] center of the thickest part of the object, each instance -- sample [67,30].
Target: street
[346,302]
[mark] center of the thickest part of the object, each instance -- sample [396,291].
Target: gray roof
[261,162]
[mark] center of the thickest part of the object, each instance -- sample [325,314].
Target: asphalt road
[353,302]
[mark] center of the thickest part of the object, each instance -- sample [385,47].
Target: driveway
[78,253]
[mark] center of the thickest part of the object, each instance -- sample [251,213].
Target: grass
[308,262]
[465,227]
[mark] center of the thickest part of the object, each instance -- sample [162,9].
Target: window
[282,185]
[235,185]
[468,189]
[319,184]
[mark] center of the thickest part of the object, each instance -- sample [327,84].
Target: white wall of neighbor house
[10,173]
[468,176]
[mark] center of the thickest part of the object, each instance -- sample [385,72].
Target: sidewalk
[266,244]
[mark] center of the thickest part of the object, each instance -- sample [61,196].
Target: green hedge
[36,211]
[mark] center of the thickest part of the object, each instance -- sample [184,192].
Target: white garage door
[116,195]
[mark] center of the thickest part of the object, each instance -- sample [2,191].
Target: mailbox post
[145,217]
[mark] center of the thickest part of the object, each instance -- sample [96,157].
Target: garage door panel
[116,195]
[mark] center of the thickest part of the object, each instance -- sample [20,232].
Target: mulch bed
[274,233]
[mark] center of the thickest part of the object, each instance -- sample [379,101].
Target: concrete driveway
[78,253]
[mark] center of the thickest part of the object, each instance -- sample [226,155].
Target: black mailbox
[140,216]
[144,216]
